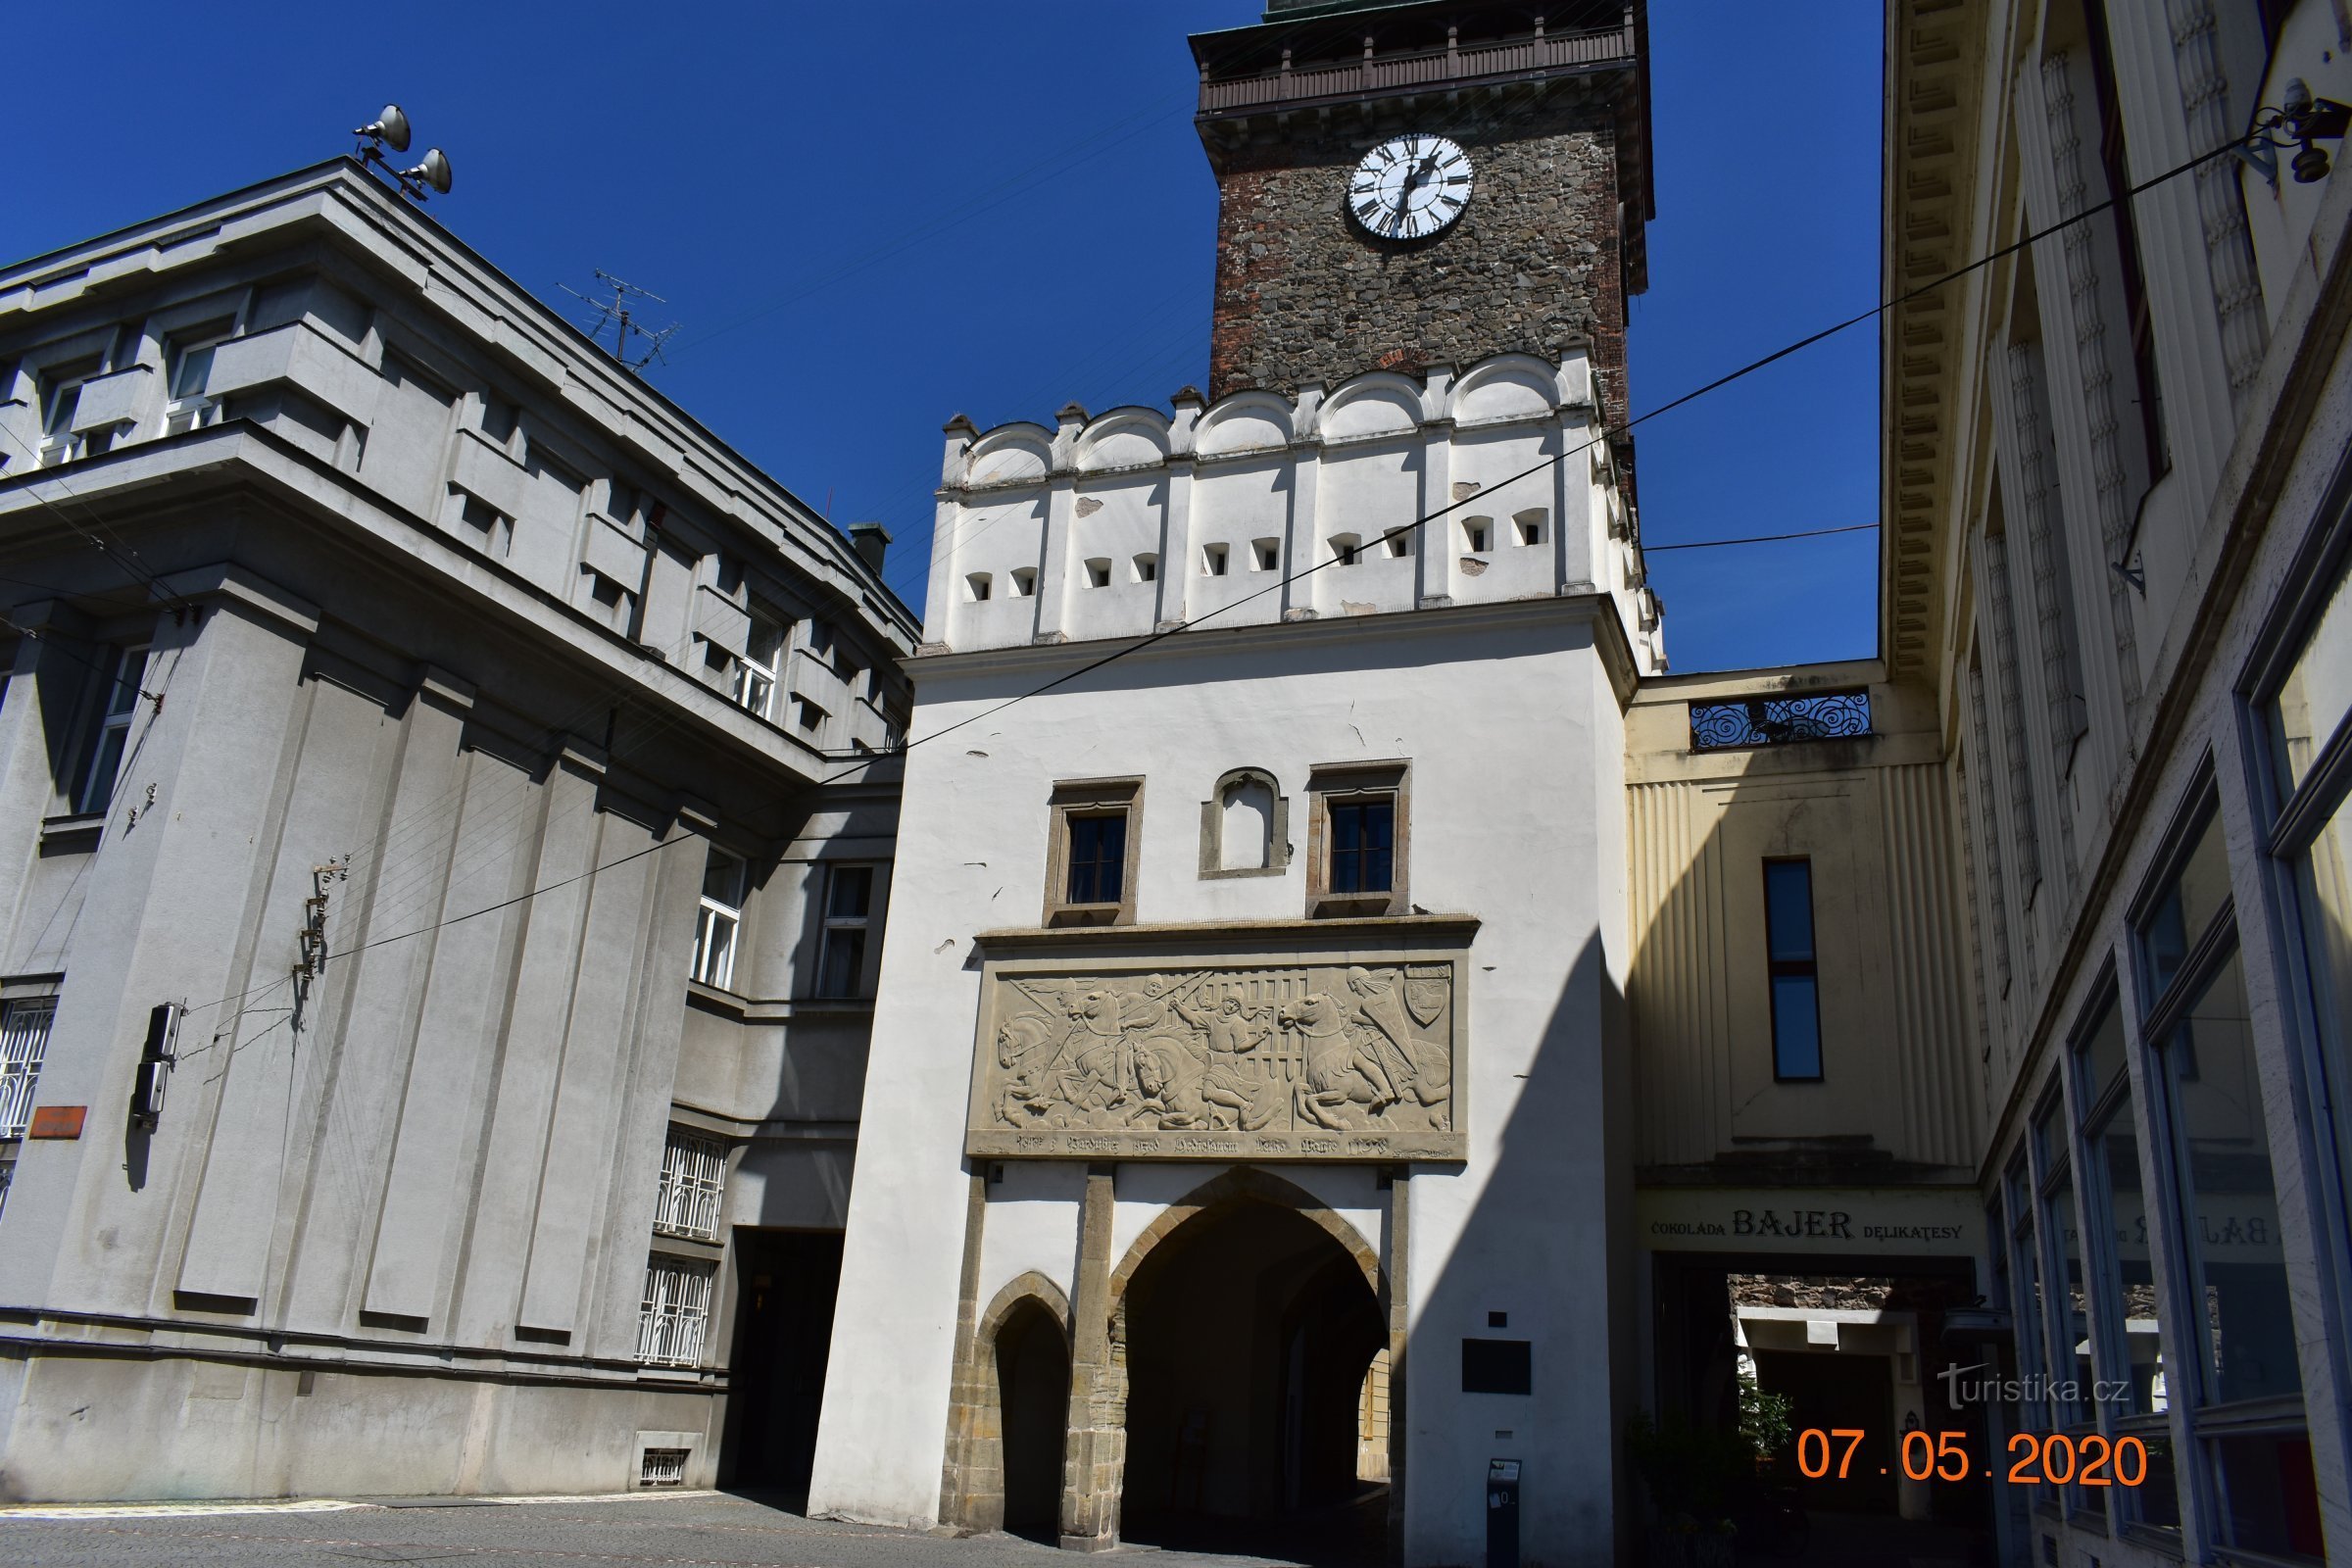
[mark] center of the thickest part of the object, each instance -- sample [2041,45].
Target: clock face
[1409,187]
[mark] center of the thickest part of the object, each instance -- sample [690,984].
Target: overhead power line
[1762,538]
[1608,432]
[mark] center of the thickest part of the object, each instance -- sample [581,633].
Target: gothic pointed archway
[1242,1322]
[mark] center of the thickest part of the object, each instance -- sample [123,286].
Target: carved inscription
[1332,1061]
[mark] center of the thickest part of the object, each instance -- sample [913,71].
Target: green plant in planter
[1697,1474]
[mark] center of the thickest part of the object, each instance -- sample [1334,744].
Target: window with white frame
[61,401]
[720,918]
[23,1041]
[694,1178]
[841,955]
[761,665]
[673,1320]
[189,370]
[109,735]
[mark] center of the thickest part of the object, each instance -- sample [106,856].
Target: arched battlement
[1506,388]
[1009,454]
[1245,421]
[1376,403]
[1127,437]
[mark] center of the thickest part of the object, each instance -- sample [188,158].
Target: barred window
[675,1315]
[23,1039]
[694,1176]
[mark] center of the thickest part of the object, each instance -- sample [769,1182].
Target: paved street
[677,1531]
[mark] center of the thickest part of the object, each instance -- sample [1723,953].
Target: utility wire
[1607,432]
[1485,497]
[1762,538]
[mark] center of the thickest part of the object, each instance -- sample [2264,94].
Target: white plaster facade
[1509,710]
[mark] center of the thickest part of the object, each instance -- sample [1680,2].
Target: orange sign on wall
[57,1121]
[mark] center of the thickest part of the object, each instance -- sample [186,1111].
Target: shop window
[2307,719]
[1793,973]
[1356,840]
[2128,1351]
[840,951]
[1090,856]
[2245,1389]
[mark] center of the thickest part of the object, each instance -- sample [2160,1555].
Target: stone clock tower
[1402,186]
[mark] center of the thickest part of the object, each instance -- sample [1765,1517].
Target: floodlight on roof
[391,128]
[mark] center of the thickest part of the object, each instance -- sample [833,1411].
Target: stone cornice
[1047,660]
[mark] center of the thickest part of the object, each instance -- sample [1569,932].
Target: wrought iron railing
[675,1313]
[1421,69]
[1779,720]
[694,1179]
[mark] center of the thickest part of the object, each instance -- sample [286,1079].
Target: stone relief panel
[1353,1058]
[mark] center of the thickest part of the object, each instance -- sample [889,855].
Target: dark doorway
[1829,1393]
[1248,1335]
[785,1282]
[1033,1384]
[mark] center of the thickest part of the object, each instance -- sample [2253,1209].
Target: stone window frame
[1330,782]
[1212,828]
[1092,797]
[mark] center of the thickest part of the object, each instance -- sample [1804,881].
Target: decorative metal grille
[23,1039]
[694,1176]
[1779,720]
[662,1467]
[675,1315]
[8,1173]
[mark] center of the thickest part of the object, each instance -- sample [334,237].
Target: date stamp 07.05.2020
[2035,1458]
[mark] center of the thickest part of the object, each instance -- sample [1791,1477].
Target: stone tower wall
[1534,265]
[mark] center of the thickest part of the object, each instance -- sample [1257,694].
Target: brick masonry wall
[1303,294]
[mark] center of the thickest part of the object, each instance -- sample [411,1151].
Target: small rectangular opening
[532,1336]
[1212,561]
[1530,526]
[1475,533]
[1097,573]
[662,1467]
[1147,568]
[1266,553]
[1347,548]
[1024,582]
[1400,543]
[401,1321]
[977,584]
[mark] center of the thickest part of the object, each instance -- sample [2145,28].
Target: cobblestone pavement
[705,1530]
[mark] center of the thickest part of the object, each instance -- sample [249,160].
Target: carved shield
[1425,991]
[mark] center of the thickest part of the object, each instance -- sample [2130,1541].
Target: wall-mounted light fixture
[2299,121]
[391,128]
[155,1064]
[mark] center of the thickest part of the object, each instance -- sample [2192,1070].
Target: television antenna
[617,313]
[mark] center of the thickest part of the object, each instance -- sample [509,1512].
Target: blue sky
[868,218]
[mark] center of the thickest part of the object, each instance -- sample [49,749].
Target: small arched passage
[1247,1318]
[1033,1384]
[1011,1414]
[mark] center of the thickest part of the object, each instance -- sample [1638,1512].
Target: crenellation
[1132,521]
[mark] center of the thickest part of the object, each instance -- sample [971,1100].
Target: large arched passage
[1247,1332]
